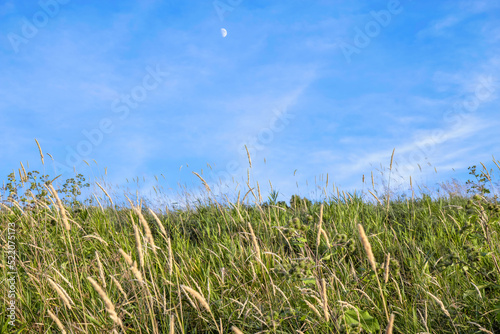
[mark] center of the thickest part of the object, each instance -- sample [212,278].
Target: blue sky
[145,87]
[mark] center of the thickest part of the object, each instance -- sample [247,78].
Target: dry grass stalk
[481,328]
[390,326]
[101,269]
[97,237]
[40,149]
[147,229]
[138,244]
[350,198]
[61,292]
[110,307]
[119,286]
[145,225]
[61,207]
[172,324]
[204,182]
[127,257]
[496,163]
[258,191]
[254,241]
[323,232]
[6,208]
[440,303]
[246,194]
[236,330]
[386,266]
[160,225]
[392,157]
[57,321]
[170,257]
[375,197]
[368,247]
[320,223]
[24,173]
[248,155]
[106,193]
[238,209]
[389,183]
[137,273]
[324,298]
[314,309]
[195,294]
[254,274]
[98,202]
[133,266]
[16,204]
[485,171]
[64,278]
[193,304]
[371,259]
[276,288]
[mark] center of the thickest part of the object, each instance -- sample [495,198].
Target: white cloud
[441,27]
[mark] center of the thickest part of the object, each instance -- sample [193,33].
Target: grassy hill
[406,265]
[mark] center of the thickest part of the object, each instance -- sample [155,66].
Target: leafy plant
[479,185]
[36,190]
[72,189]
[30,186]
[357,318]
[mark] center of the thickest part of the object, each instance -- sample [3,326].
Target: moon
[223,32]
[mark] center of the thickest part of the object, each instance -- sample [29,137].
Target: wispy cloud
[342,118]
[441,27]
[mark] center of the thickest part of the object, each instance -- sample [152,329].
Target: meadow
[400,264]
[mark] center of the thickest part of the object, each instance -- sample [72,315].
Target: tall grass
[344,265]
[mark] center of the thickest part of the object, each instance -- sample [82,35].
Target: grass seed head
[368,247]
[61,292]
[236,330]
[101,269]
[386,267]
[57,321]
[110,307]
[195,294]
[390,326]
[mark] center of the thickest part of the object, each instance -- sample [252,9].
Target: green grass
[442,275]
